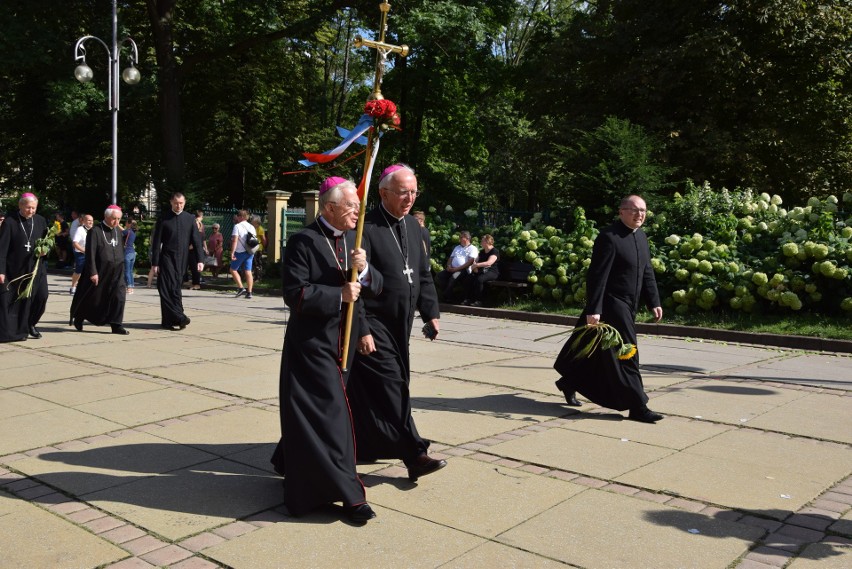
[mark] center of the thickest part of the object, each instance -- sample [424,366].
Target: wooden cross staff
[382,51]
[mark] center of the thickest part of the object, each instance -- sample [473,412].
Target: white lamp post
[83,74]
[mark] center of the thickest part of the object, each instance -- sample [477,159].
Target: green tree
[601,166]
[749,92]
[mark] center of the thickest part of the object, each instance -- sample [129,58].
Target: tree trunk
[160,13]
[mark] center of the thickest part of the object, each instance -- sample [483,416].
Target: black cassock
[620,277]
[104,303]
[170,243]
[16,316]
[378,385]
[316,453]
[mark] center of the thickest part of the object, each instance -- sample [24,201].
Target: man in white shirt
[458,266]
[241,255]
[78,243]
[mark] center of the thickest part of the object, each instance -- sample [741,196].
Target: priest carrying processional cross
[316,453]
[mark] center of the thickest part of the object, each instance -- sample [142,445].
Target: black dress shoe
[423,465]
[644,415]
[119,329]
[34,333]
[183,323]
[571,399]
[360,514]
[78,324]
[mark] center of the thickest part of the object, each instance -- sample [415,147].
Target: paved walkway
[152,450]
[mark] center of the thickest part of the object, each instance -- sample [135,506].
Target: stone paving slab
[811,369]
[598,529]
[456,427]
[471,496]
[151,406]
[770,474]
[34,430]
[35,538]
[601,457]
[110,461]
[95,387]
[25,367]
[240,380]
[723,401]
[694,355]
[493,554]
[376,545]
[224,433]
[123,354]
[14,404]
[432,356]
[188,501]
[673,432]
[817,415]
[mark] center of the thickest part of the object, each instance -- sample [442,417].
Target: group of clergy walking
[334,412]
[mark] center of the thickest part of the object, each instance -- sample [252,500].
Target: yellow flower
[626,351]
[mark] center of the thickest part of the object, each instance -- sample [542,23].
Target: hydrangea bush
[711,250]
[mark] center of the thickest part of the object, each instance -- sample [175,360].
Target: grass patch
[804,324]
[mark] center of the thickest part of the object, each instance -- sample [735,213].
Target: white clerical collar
[389,213]
[628,227]
[334,230]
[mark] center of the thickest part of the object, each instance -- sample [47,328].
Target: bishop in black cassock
[620,277]
[316,453]
[18,235]
[173,234]
[379,383]
[102,290]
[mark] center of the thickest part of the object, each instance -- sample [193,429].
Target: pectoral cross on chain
[28,247]
[407,272]
[112,242]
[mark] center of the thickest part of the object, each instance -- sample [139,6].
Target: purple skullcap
[329,183]
[114,207]
[390,170]
[28,196]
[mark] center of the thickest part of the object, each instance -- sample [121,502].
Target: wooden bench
[513,278]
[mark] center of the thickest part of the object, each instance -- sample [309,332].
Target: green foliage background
[521,104]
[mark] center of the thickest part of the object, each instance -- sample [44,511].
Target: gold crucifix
[382,51]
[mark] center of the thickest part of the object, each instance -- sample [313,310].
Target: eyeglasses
[635,209]
[404,193]
[348,205]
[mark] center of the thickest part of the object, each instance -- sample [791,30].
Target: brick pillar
[275,202]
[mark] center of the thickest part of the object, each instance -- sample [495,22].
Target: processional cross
[383,50]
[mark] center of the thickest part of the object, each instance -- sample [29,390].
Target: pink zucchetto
[114,207]
[329,183]
[28,196]
[390,170]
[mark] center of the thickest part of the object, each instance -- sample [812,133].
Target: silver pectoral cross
[28,246]
[407,272]
[112,241]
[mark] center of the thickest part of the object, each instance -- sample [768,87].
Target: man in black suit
[619,277]
[378,385]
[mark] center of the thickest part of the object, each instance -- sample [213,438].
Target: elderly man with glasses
[378,385]
[620,277]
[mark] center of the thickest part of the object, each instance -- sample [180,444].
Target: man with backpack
[243,245]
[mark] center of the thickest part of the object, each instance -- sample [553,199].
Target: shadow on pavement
[501,405]
[706,525]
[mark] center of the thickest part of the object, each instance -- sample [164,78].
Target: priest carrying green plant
[600,359]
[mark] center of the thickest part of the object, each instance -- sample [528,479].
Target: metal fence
[292,220]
